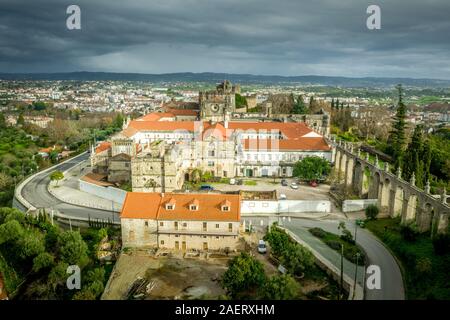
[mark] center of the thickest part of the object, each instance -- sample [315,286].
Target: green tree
[311,103]
[296,258]
[372,212]
[240,101]
[72,248]
[281,287]
[118,121]
[312,168]
[332,104]
[427,157]
[244,272]
[346,234]
[53,156]
[413,155]
[56,176]
[2,121]
[299,106]
[21,120]
[10,231]
[397,139]
[42,261]
[58,275]
[31,244]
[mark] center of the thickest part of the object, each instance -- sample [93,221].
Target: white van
[262,246]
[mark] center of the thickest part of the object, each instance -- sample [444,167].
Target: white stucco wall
[357,205]
[108,193]
[285,206]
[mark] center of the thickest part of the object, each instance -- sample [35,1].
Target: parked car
[262,246]
[284,182]
[294,185]
[239,182]
[283,196]
[313,184]
[206,187]
[232,181]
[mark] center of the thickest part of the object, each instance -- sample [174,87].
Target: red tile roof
[139,205]
[103,147]
[291,130]
[162,125]
[183,112]
[304,144]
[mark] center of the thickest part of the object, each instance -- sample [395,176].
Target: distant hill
[238,78]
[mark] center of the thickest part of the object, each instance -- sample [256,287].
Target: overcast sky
[279,37]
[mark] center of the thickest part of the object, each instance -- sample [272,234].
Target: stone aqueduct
[396,197]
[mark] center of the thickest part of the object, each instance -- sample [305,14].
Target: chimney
[225,124]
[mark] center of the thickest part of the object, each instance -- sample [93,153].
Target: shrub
[424,265]
[372,212]
[336,245]
[441,244]
[318,232]
[409,232]
[346,235]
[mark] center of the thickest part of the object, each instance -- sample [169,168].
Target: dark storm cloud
[294,37]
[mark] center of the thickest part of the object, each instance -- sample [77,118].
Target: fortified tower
[218,105]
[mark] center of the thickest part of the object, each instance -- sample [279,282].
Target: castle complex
[160,151]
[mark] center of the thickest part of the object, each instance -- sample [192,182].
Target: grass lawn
[334,242]
[250,183]
[426,275]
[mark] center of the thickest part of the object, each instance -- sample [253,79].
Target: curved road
[36,193]
[391,277]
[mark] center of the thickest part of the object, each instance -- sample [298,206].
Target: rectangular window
[146,223]
[162,242]
[185,224]
[161,224]
[230,227]
[205,226]
[175,224]
[217,226]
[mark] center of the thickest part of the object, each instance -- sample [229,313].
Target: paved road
[36,193]
[391,277]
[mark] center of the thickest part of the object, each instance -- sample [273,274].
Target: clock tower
[219,104]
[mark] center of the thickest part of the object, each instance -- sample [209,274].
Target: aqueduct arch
[396,197]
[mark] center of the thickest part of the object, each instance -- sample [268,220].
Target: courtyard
[304,191]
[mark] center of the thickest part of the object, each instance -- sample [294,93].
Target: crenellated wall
[396,197]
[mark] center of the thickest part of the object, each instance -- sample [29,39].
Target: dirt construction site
[141,274]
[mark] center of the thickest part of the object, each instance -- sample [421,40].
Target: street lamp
[356,275]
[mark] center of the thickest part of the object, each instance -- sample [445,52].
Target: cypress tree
[426,162]
[332,104]
[398,135]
